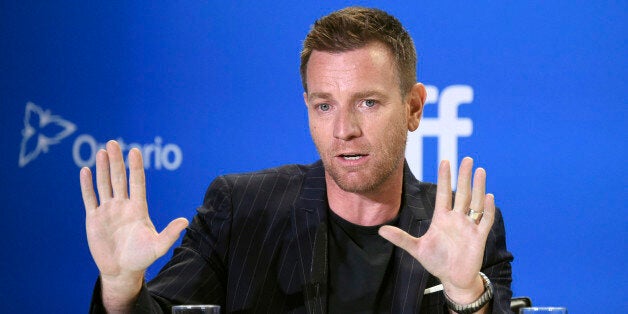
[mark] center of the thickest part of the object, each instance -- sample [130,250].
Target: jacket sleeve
[146,303]
[197,272]
[496,265]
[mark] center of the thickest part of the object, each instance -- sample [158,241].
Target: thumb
[170,234]
[398,237]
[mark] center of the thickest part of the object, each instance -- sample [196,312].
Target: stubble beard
[369,178]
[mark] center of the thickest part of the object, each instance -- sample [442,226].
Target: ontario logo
[42,129]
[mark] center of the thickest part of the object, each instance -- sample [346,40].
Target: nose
[347,124]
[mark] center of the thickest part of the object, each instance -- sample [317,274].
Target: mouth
[351,156]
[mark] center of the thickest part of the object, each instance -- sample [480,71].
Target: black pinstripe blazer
[250,249]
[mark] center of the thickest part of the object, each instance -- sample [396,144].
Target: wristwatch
[475,305]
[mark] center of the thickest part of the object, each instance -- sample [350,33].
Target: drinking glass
[196,309]
[543,310]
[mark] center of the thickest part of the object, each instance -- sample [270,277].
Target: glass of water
[196,309]
[543,310]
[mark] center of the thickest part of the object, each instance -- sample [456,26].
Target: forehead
[370,64]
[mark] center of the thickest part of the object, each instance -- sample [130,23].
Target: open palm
[452,249]
[121,237]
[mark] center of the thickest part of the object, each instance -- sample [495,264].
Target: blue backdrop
[534,91]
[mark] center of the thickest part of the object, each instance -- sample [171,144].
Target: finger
[170,235]
[87,190]
[489,214]
[103,178]
[118,171]
[463,187]
[137,178]
[398,237]
[443,187]
[479,190]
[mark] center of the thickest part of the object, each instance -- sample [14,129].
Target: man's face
[358,117]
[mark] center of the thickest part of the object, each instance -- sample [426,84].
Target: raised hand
[452,249]
[121,237]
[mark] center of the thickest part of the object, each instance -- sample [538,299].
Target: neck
[367,208]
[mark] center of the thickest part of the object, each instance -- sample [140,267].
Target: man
[316,238]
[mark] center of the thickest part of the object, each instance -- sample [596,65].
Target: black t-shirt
[359,268]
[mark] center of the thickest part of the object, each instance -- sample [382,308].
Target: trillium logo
[41,130]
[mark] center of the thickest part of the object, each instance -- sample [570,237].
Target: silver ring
[475,215]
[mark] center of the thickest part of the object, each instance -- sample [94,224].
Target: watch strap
[475,305]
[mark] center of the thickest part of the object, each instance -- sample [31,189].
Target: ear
[305,98]
[415,101]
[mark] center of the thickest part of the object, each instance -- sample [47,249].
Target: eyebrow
[358,95]
[322,95]
[369,94]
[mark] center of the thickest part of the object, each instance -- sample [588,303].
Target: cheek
[316,133]
[396,126]
[319,126]
[312,124]
[394,121]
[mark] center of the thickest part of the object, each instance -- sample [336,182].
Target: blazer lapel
[409,276]
[310,216]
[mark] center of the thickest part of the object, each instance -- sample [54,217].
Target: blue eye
[324,107]
[370,103]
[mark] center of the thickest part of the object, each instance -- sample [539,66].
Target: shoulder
[272,182]
[265,176]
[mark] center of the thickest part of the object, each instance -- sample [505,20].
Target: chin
[350,182]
